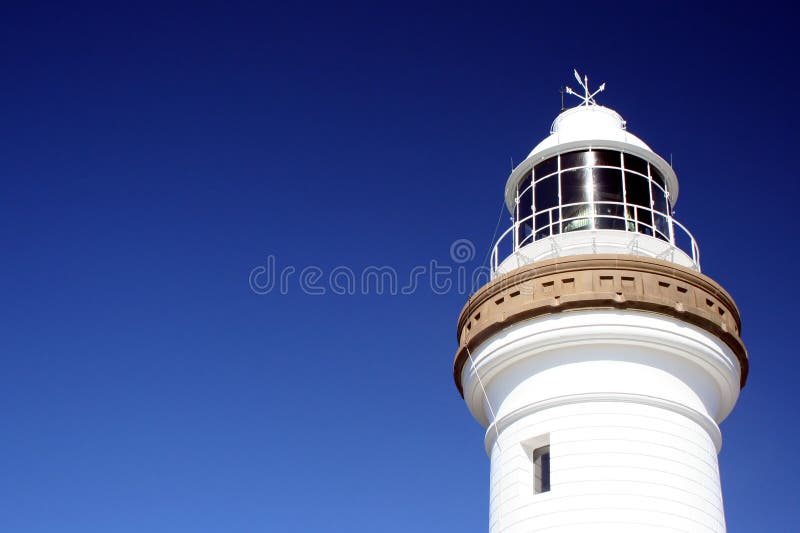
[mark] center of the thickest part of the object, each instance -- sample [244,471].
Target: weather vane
[586,96]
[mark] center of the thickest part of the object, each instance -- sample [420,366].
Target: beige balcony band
[599,282]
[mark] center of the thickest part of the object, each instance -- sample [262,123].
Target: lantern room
[592,187]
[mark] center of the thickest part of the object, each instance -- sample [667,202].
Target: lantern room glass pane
[607,158]
[546,193]
[607,185]
[608,199]
[545,168]
[577,217]
[576,192]
[525,210]
[524,183]
[637,189]
[645,218]
[661,226]
[546,207]
[635,163]
[525,204]
[659,199]
[545,225]
[657,177]
[576,186]
[576,159]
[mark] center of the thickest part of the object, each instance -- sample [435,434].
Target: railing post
[515,237]
[695,253]
[515,222]
[669,219]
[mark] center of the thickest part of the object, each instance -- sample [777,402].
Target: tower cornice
[599,282]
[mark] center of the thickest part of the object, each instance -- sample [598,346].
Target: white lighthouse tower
[599,358]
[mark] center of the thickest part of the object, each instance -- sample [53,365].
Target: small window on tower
[541,470]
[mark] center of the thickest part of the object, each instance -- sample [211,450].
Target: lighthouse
[599,358]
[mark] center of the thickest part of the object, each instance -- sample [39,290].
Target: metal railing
[586,216]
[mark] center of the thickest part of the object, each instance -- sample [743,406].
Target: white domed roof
[588,123]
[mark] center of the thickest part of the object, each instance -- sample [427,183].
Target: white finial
[586,96]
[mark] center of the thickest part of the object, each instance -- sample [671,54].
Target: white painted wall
[615,466]
[630,403]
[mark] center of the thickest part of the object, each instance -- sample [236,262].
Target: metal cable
[486,397]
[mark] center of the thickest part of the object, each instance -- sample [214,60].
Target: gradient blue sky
[152,156]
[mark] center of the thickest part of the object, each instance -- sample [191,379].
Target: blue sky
[151,157]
